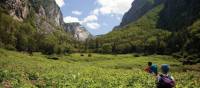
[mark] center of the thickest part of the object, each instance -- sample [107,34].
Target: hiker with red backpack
[148,68]
[165,80]
[152,68]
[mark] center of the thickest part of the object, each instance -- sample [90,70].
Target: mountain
[138,9]
[37,25]
[34,25]
[47,15]
[78,31]
[157,26]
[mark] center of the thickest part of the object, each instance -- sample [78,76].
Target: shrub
[82,55]
[33,76]
[136,55]
[10,47]
[89,55]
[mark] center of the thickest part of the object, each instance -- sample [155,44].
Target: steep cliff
[138,9]
[44,14]
[33,25]
[79,32]
[47,14]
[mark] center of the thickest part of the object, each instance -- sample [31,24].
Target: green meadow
[20,70]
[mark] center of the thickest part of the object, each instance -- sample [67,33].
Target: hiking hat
[165,68]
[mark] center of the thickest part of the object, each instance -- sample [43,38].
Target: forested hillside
[172,27]
[33,25]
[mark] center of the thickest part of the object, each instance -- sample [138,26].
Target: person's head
[165,68]
[149,63]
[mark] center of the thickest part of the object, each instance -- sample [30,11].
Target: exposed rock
[16,8]
[46,15]
[138,9]
[79,32]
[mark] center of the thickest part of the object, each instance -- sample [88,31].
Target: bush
[10,47]
[136,55]
[82,55]
[89,55]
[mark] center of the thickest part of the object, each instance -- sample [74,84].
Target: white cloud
[93,25]
[113,6]
[60,3]
[70,19]
[77,13]
[89,21]
[95,12]
[90,18]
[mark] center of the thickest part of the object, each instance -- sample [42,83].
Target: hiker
[152,69]
[148,68]
[164,80]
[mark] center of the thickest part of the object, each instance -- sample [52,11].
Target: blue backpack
[154,68]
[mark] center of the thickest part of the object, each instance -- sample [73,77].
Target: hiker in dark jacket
[165,80]
[148,68]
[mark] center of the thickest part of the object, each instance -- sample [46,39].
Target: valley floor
[19,70]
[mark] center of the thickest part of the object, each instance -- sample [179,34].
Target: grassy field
[19,70]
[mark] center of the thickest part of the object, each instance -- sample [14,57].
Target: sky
[98,16]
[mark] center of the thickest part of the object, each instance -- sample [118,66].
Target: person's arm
[173,80]
[158,78]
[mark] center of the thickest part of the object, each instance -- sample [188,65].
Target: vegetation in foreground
[19,70]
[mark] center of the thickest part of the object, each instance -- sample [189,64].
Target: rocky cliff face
[79,32]
[45,14]
[16,8]
[138,9]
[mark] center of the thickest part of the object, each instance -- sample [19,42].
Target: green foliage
[106,48]
[141,36]
[107,71]
[8,29]
[23,36]
[168,28]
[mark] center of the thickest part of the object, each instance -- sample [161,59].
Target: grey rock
[47,16]
[78,31]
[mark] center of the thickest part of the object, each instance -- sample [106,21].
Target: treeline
[144,36]
[138,37]
[24,36]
